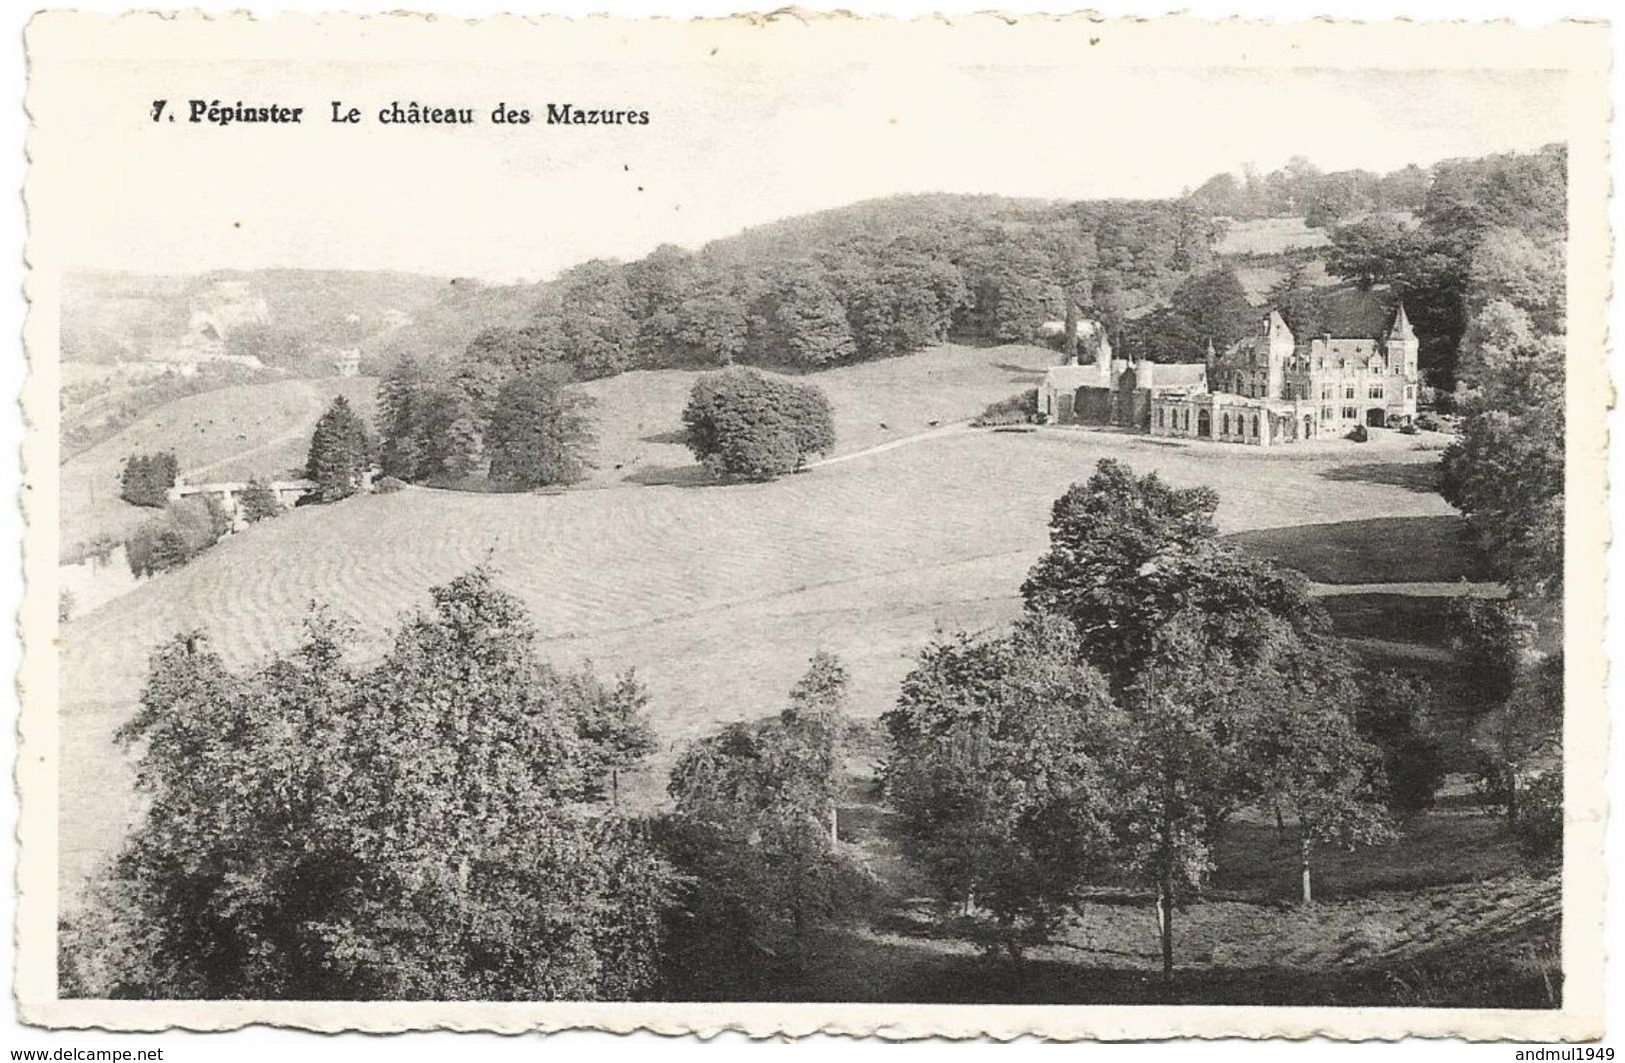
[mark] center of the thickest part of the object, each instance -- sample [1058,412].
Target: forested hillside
[1333,251]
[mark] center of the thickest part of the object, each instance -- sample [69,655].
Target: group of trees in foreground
[445,822]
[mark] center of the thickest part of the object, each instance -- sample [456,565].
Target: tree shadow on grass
[673,476]
[854,967]
[677,437]
[1381,550]
[1421,477]
[1020,374]
[859,968]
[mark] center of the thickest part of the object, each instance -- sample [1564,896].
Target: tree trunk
[1304,856]
[615,788]
[1165,902]
[1512,795]
[798,922]
[1280,823]
[834,823]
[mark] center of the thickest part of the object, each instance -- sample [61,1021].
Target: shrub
[1358,434]
[147,478]
[744,424]
[388,485]
[1428,422]
[171,539]
[1393,716]
[1017,409]
[1408,429]
[258,502]
[1540,818]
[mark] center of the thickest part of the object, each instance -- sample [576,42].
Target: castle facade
[1265,390]
[1269,388]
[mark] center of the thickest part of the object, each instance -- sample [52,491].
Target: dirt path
[1456,589]
[919,437]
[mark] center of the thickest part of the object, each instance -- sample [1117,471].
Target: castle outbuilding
[1113,391]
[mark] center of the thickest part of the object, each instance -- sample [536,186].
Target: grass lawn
[1270,236]
[640,415]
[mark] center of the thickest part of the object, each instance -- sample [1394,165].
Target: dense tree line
[1207,308]
[872,281]
[1505,470]
[505,412]
[1488,228]
[443,823]
[146,479]
[1301,189]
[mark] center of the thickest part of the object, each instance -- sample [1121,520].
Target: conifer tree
[341,451]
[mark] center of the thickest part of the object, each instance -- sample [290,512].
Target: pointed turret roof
[1402,325]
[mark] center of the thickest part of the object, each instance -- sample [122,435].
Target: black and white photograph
[730,521]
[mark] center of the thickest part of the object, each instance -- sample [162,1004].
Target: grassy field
[717,595]
[639,415]
[229,434]
[1270,236]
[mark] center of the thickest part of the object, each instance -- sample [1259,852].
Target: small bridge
[229,494]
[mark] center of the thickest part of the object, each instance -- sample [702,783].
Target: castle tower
[1144,374]
[1280,344]
[1401,342]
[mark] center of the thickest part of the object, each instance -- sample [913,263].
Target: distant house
[347,362]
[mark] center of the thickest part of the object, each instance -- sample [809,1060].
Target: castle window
[1255,424]
[1374,392]
[1325,391]
[1410,391]
[1348,392]
[1351,413]
[1325,413]
[1227,424]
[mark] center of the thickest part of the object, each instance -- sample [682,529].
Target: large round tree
[745,424]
